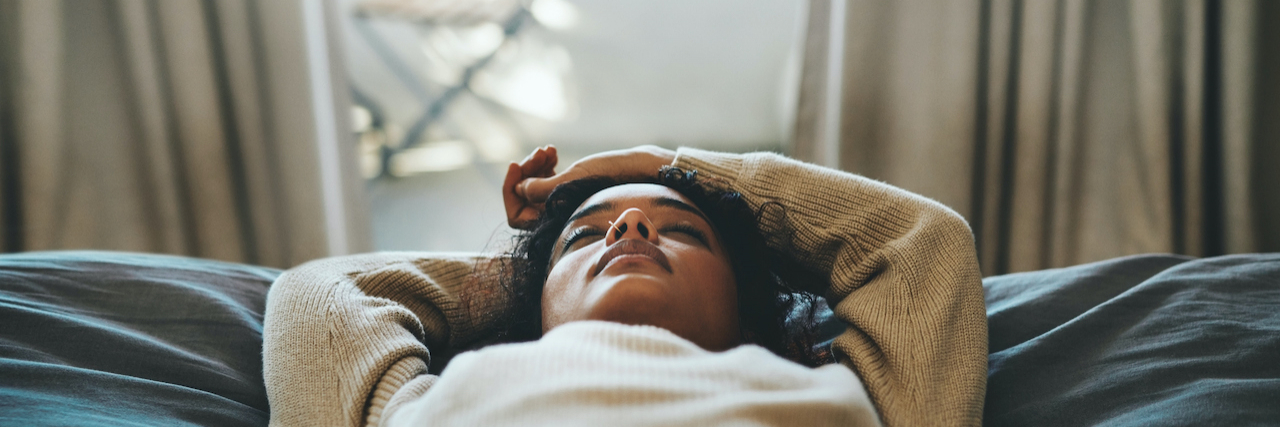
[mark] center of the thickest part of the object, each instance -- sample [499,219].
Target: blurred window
[448,92]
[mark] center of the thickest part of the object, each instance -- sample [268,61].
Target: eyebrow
[590,210]
[659,201]
[677,204]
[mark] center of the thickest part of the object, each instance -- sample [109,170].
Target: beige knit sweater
[596,373]
[346,339]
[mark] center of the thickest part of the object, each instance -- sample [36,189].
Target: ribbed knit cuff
[476,299]
[392,382]
[723,167]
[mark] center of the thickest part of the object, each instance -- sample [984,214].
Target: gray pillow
[1141,340]
[108,338]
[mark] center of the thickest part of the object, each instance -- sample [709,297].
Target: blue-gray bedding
[1141,340]
[108,338]
[103,338]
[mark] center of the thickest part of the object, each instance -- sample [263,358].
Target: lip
[632,247]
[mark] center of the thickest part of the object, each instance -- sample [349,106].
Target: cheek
[712,292]
[562,293]
[714,276]
[728,283]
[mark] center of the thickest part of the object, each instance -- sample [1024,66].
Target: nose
[632,224]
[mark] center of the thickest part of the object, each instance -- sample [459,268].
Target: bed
[108,338]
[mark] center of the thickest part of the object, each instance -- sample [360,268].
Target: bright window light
[533,88]
[433,157]
[555,14]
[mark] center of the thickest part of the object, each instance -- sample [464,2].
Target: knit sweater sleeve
[902,274]
[345,340]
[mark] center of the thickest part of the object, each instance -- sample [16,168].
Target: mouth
[632,248]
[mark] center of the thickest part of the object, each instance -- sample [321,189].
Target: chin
[636,299]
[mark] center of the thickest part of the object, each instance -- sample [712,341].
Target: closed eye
[689,230]
[579,234]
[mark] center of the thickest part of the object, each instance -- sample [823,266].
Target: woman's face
[642,254]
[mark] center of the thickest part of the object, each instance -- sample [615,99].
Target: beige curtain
[1065,131]
[195,127]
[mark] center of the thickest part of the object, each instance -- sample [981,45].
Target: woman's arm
[345,340]
[903,274]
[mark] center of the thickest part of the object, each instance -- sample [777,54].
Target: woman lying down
[649,287]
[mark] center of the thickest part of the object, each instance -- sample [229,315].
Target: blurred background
[453,90]
[275,132]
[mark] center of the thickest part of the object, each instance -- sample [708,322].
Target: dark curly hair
[773,312]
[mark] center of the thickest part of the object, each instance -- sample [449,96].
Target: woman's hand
[541,163]
[530,181]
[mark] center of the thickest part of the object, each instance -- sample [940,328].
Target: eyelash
[579,234]
[584,232]
[687,229]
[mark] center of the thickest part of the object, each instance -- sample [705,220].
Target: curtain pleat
[174,126]
[812,95]
[243,74]
[1243,210]
[994,102]
[38,50]
[1065,160]
[97,166]
[203,137]
[169,227]
[10,209]
[1033,141]
[1263,60]
[1066,131]
[884,89]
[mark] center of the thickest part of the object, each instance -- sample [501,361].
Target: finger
[511,201]
[533,166]
[536,190]
[529,157]
[553,158]
[513,175]
[541,163]
[549,164]
[528,215]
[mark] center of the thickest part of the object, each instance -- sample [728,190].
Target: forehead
[627,195]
